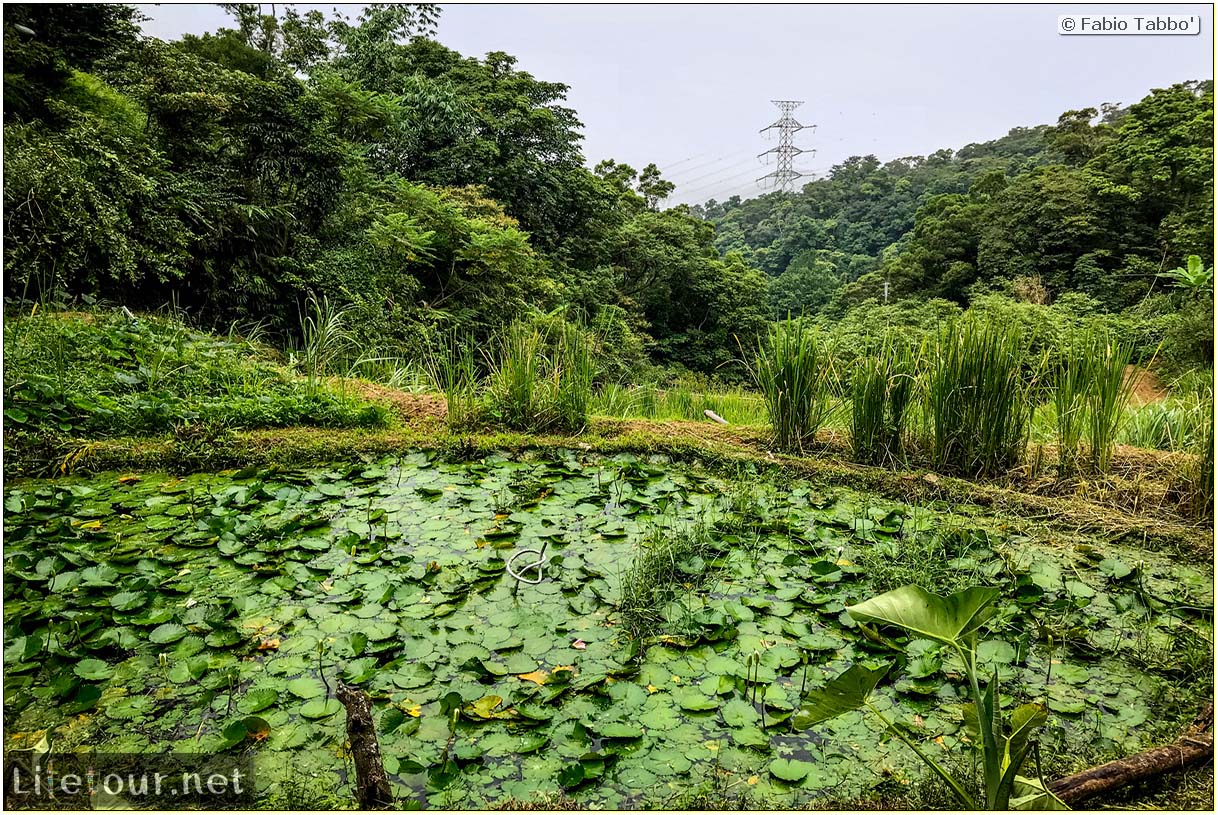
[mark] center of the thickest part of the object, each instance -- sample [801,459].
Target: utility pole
[786,151]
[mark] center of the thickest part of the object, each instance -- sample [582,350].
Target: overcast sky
[689,87]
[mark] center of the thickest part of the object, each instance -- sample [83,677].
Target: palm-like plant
[1194,277]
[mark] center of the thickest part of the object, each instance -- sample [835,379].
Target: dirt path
[1146,386]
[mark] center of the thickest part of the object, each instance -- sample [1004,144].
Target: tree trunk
[1194,747]
[371,783]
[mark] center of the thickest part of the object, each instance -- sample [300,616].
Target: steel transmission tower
[786,151]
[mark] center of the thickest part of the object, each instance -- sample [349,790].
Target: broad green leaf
[167,633]
[93,669]
[306,687]
[847,692]
[789,769]
[320,708]
[947,619]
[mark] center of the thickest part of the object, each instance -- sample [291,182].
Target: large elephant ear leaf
[946,619]
[847,692]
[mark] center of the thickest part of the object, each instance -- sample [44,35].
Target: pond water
[216,612]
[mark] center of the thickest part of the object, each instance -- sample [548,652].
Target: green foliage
[103,374]
[1069,380]
[324,338]
[668,563]
[1086,207]
[541,376]
[881,389]
[453,371]
[792,368]
[1194,278]
[303,154]
[979,398]
[1108,390]
[955,622]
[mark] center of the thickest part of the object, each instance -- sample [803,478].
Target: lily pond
[217,612]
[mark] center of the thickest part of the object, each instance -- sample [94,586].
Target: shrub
[104,374]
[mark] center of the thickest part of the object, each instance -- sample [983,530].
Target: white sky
[689,86]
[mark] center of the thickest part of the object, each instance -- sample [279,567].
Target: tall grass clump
[452,371]
[575,369]
[793,370]
[542,376]
[881,388]
[515,377]
[979,398]
[1196,485]
[324,338]
[1069,381]
[1108,395]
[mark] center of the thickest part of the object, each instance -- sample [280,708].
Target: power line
[786,151]
[700,191]
[690,187]
[708,163]
[751,162]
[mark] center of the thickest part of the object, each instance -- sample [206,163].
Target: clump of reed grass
[1107,395]
[453,371]
[324,338]
[1069,380]
[574,371]
[881,389]
[793,369]
[515,376]
[541,377]
[979,398]
[1196,484]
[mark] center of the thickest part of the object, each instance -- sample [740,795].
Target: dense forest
[240,172]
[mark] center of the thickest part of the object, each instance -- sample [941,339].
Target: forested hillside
[1099,203]
[241,171]
[244,173]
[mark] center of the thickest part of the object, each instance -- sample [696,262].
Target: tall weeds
[979,399]
[1107,396]
[541,377]
[514,378]
[575,368]
[452,370]
[881,388]
[793,369]
[668,563]
[1196,485]
[324,338]
[1069,380]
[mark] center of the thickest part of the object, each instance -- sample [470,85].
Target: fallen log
[371,783]
[1194,747]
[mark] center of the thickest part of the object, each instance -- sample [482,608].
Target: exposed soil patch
[1146,386]
[410,407]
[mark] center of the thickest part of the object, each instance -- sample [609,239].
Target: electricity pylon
[786,151]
